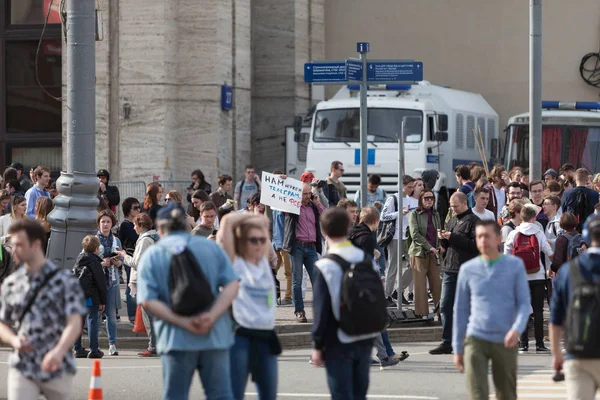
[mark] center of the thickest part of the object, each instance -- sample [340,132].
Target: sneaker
[405,301]
[443,348]
[388,362]
[402,356]
[147,353]
[523,349]
[118,318]
[395,295]
[301,316]
[81,353]
[112,350]
[285,302]
[411,297]
[542,349]
[98,354]
[391,302]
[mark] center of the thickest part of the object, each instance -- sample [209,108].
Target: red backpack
[527,249]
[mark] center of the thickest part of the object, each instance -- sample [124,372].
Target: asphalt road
[420,377]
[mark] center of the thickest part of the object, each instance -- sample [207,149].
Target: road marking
[539,385]
[369,396]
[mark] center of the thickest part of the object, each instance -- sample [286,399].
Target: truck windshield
[578,145]
[384,125]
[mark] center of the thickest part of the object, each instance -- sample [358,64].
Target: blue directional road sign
[354,69]
[394,71]
[326,72]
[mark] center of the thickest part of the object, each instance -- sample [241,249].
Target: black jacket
[111,195]
[96,286]
[362,237]
[290,225]
[461,246]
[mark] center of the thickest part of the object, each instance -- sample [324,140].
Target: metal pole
[535,89]
[400,220]
[74,214]
[363,131]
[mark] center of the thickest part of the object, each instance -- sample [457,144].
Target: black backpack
[580,207]
[86,280]
[583,315]
[189,289]
[363,308]
[388,229]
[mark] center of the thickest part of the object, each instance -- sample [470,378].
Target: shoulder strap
[395,203]
[575,273]
[345,265]
[35,294]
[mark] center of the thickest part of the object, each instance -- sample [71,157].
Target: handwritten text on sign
[281,194]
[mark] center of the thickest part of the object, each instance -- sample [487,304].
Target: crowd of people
[498,230]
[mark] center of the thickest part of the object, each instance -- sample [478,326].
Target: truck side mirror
[441,136]
[297,124]
[300,137]
[442,122]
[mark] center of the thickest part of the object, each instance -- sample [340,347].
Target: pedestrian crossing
[539,385]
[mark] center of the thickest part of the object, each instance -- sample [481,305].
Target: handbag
[388,229]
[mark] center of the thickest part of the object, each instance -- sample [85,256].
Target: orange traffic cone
[96,382]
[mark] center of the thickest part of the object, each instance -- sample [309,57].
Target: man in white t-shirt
[482,197]
[388,213]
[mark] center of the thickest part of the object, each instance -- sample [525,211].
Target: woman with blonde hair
[173,195]
[43,207]
[18,207]
[245,239]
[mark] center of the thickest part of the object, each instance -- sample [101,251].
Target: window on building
[33,156]
[28,107]
[33,12]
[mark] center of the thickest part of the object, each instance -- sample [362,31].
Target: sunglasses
[135,207]
[167,199]
[257,240]
[342,169]
[426,198]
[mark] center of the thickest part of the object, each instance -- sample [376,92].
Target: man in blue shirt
[38,190]
[582,375]
[200,342]
[491,310]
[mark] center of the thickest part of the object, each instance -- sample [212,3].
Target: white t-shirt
[486,215]
[500,198]
[254,305]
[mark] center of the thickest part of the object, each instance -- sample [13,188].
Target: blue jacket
[589,263]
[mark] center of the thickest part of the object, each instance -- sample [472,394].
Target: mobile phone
[214,232]
[113,255]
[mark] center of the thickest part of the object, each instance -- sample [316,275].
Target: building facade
[161,65]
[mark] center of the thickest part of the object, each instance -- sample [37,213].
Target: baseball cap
[18,166]
[551,172]
[171,211]
[103,173]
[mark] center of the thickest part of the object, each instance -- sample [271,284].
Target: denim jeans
[212,365]
[266,381]
[348,372]
[131,303]
[299,256]
[449,282]
[93,326]
[147,318]
[386,342]
[537,290]
[111,314]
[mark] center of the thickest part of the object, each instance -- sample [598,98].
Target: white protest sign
[281,194]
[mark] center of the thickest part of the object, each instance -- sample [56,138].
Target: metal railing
[136,189]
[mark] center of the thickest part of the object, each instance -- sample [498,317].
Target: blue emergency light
[378,87]
[571,105]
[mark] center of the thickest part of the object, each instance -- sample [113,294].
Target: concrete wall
[479,46]
[168,60]
[285,35]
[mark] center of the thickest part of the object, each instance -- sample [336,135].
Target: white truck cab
[570,134]
[423,107]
